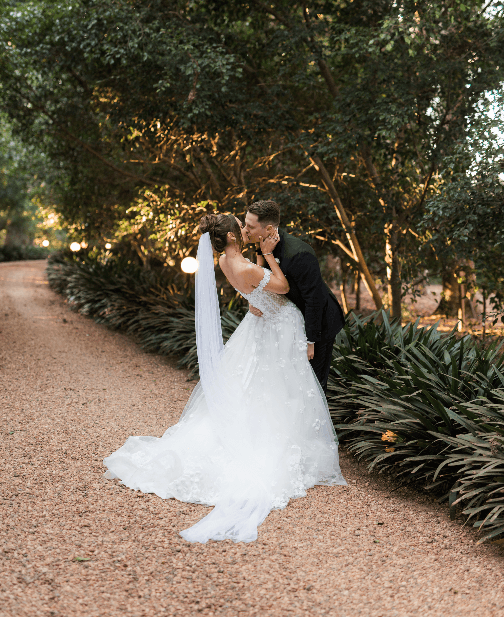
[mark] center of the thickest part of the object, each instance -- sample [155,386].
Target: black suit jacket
[321,311]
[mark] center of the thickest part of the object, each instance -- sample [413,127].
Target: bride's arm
[277,283]
[253,274]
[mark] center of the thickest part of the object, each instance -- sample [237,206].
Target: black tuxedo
[321,311]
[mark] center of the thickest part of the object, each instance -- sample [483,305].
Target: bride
[256,431]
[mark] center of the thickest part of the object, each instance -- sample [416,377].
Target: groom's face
[253,228]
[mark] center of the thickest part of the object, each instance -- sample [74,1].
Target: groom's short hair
[267,212]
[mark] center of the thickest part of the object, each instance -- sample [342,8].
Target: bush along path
[410,402]
[427,408]
[154,306]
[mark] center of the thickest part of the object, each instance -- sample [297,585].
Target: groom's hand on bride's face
[255,311]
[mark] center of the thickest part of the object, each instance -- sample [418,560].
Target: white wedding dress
[268,439]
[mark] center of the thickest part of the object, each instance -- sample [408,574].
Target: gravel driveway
[75,544]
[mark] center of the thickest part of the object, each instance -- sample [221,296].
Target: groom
[321,311]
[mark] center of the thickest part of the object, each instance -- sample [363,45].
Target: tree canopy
[355,115]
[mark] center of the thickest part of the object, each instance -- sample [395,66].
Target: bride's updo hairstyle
[218,226]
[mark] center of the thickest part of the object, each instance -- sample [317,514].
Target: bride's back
[272,305]
[238,272]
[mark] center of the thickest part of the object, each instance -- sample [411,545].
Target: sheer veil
[243,499]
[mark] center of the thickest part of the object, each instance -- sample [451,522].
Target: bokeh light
[84,244]
[108,245]
[75,246]
[45,243]
[189,265]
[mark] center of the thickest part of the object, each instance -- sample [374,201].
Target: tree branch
[324,69]
[271,11]
[349,232]
[341,246]
[123,172]
[208,169]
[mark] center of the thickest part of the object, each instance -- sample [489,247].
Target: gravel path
[75,544]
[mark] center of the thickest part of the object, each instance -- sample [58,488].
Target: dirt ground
[424,305]
[75,544]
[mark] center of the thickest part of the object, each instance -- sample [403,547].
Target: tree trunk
[349,232]
[469,274]
[344,297]
[451,296]
[394,283]
[484,316]
[357,291]
[344,270]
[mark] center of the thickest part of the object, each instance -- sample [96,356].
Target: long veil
[243,501]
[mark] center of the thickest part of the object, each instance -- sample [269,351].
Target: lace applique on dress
[275,307]
[264,281]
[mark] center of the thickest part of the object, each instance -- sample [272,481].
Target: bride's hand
[268,244]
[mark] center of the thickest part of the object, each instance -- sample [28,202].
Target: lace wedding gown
[275,443]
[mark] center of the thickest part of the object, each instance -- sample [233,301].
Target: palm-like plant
[420,405]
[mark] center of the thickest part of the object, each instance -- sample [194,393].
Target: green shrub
[156,306]
[425,407]
[20,253]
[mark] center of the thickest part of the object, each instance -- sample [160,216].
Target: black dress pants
[321,362]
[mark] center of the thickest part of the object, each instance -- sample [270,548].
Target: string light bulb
[189,265]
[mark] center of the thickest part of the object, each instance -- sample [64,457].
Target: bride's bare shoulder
[252,273]
[222,263]
[242,273]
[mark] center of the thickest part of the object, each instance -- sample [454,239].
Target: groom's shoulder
[293,245]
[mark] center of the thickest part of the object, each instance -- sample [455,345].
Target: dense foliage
[19,252]
[427,408]
[25,221]
[347,112]
[465,219]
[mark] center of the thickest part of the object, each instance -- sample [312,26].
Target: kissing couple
[256,431]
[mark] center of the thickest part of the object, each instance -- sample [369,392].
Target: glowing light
[189,265]
[75,246]
[45,243]
[108,245]
[83,245]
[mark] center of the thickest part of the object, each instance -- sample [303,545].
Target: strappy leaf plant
[424,407]
[155,307]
